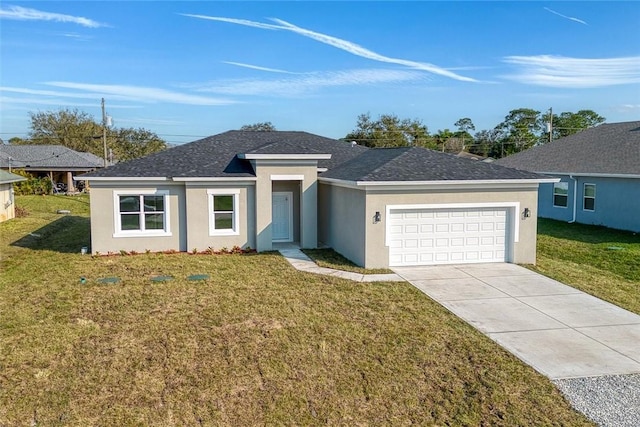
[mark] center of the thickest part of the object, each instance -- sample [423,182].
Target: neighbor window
[560,194]
[589,198]
[223,211]
[141,214]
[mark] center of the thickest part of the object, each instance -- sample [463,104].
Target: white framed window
[223,211]
[589,197]
[560,194]
[141,213]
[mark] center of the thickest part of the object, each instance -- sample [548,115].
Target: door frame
[290,210]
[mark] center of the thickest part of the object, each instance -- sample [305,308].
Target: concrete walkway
[558,330]
[303,263]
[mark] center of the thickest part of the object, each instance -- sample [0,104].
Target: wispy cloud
[26,14]
[560,71]
[143,94]
[310,82]
[570,18]
[341,44]
[256,67]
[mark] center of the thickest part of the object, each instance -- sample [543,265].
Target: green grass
[331,259]
[257,343]
[600,261]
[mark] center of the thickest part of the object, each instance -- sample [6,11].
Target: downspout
[575,198]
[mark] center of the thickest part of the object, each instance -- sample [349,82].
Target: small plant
[123,252]
[194,251]
[133,253]
[236,250]
[21,212]
[147,251]
[224,250]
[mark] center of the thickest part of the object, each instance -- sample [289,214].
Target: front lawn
[597,260]
[257,343]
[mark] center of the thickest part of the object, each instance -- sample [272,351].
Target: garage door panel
[440,236]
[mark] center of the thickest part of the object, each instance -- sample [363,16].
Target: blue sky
[186,70]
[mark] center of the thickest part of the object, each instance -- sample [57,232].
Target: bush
[33,184]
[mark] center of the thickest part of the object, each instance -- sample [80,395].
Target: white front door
[282,216]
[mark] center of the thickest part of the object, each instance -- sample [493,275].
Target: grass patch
[240,348]
[331,259]
[600,261]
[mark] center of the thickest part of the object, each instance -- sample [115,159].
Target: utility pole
[104,133]
[550,124]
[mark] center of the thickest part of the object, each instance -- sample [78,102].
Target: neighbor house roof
[7,177]
[224,156]
[47,157]
[420,164]
[608,149]
[217,155]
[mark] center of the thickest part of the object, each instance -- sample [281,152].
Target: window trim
[585,197]
[117,222]
[235,193]
[565,195]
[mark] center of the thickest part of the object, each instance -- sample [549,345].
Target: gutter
[575,198]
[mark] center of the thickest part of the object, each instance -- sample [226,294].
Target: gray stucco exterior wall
[617,202]
[341,221]
[103,226]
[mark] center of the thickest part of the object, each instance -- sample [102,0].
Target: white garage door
[447,236]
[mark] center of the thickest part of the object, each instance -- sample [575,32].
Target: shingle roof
[606,149]
[7,177]
[216,156]
[46,156]
[420,164]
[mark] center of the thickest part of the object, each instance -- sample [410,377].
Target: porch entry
[282,216]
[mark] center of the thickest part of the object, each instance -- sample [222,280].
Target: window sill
[158,233]
[215,233]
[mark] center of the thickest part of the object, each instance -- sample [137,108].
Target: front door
[282,216]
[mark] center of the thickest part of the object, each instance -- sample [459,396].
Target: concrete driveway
[558,330]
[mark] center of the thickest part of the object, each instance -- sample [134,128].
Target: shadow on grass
[585,233]
[66,235]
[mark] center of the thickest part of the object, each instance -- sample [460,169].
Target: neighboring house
[7,202]
[600,176]
[57,162]
[378,207]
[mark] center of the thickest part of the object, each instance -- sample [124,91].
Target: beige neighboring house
[7,201]
[377,207]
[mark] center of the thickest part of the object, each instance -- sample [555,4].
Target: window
[589,197]
[223,211]
[560,194]
[143,214]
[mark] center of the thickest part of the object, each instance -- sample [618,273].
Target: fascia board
[250,156]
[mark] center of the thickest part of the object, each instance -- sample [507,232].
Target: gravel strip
[608,400]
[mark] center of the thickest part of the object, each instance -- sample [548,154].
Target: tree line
[78,131]
[521,129]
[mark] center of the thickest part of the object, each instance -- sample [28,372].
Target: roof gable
[217,155]
[607,149]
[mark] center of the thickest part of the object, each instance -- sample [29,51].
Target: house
[599,170]
[378,207]
[57,162]
[7,205]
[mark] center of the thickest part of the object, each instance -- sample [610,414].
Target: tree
[521,129]
[130,143]
[568,123]
[262,126]
[487,143]
[464,125]
[72,128]
[389,131]
[79,131]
